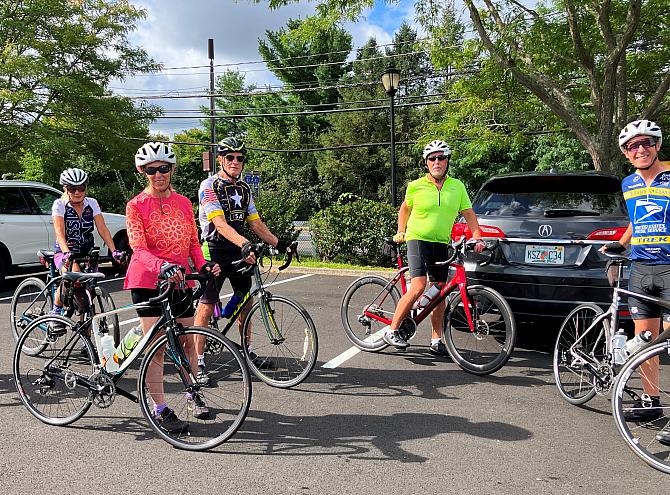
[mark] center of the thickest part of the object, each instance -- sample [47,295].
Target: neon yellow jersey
[205,251]
[434,211]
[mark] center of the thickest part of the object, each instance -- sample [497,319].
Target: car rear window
[557,196]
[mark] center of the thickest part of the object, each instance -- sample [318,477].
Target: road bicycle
[479,327]
[34,298]
[279,339]
[60,384]
[584,363]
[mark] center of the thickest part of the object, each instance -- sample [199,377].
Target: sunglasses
[645,143]
[438,157]
[230,158]
[163,169]
[74,189]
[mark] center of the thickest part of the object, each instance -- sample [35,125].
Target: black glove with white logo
[615,247]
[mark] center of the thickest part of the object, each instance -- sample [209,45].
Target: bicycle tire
[574,381]
[490,346]
[103,302]
[285,361]
[29,302]
[228,394]
[47,382]
[641,436]
[364,332]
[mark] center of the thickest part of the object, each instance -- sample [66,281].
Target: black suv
[550,226]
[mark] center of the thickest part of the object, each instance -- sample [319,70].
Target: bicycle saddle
[390,241]
[45,254]
[81,277]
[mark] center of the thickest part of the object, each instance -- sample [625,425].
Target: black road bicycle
[61,382]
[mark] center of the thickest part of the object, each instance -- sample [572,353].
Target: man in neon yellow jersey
[425,220]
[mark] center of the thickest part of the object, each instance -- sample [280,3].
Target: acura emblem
[545,230]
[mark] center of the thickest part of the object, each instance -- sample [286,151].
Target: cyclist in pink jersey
[163,236]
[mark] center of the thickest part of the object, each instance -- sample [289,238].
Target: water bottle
[427,297]
[619,347]
[128,343]
[232,304]
[638,342]
[108,350]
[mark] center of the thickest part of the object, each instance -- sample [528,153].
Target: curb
[337,271]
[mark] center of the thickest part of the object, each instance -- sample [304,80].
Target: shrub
[351,231]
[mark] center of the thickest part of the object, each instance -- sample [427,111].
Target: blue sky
[175,33]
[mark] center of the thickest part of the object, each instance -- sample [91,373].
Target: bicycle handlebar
[202,278]
[261,249]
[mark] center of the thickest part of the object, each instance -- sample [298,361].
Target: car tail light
[461,229]
[613,234]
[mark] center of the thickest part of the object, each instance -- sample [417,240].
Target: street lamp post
[391,80]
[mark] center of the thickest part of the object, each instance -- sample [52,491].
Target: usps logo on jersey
[650,210]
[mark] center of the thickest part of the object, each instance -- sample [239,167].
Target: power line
[311,112]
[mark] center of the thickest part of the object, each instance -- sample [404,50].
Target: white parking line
[351,352]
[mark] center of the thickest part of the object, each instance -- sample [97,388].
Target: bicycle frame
[94,322]
[459,281]
[613,314]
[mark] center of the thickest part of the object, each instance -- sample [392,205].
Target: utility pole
[212,153]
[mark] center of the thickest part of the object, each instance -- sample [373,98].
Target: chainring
[105,392]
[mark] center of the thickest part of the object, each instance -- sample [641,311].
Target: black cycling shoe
[663,437]
[169,421]
[439,349]
[644,410]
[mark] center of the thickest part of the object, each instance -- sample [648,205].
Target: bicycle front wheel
[645,374]
[29,302]
[487,347]
[52,384]
[281,344]
[380,297]
[203,416]
[574,381]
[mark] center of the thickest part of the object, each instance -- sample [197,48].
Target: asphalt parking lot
[377,423]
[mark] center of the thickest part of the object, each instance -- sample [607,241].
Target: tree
[56,60]
[593,65]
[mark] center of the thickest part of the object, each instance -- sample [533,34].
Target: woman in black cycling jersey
[75,215]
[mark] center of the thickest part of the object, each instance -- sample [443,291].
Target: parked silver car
[26,225]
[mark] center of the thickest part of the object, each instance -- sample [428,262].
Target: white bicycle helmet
[640,128]
[73,177]
[434,146]
[154,152]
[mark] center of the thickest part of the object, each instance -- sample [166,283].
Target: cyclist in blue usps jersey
[647,196]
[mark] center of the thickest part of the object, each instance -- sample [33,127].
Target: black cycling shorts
[653,280]
[181,303]
[422,256]
[225,257]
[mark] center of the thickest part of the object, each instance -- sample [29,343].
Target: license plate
[545,255]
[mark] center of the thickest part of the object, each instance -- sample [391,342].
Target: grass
[316,263]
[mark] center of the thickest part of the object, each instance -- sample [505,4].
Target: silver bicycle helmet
[434,146]
[640,128]
[73,177]
[154,152]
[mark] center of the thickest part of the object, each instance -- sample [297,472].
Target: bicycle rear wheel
[29,302]
[283,352]
[627,396]
[574,381]
[103,302]
[380,297]
[227,395]
[486,349]
[51,383]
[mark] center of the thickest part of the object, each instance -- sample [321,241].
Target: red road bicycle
[479,327]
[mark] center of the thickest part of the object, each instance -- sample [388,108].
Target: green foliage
[351,230]
[278,213]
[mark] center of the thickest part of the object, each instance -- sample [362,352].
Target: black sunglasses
[163,169]
[645,143]
[73,189]
[438,157]
[230,158]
